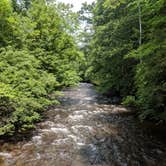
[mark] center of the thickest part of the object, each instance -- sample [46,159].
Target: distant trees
[85,36]
[126,32]
[37,57]
[20,5]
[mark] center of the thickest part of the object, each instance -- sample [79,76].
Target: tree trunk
[140,24]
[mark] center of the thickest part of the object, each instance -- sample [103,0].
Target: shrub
[130,101]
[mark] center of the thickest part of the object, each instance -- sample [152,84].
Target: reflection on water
[85,130]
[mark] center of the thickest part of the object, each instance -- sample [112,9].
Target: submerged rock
[86,130]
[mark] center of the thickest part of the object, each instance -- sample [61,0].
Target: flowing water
[86,130]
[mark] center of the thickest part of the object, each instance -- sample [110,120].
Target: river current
[86,130]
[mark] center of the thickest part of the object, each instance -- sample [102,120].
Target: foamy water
[84,132]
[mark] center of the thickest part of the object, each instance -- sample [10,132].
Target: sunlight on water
[84,132]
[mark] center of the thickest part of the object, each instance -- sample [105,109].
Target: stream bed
[86,130]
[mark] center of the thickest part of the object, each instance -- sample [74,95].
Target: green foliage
[130,101]
[24,88]
[37,56]
[150,82]
[120,62]
[56,49]
[150,75]
[114,32]
[5,28]
[85,37]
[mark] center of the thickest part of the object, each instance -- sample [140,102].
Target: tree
[126,32]
[85,36]
[38,55]
[5,28]
[114,37]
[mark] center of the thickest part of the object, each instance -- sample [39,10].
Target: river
[86,130]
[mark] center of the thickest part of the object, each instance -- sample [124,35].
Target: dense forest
[126,53]
[121,50]
[38,56]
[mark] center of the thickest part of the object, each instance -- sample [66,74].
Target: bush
[130,101]
[37,56]
[150,82]
[24,90]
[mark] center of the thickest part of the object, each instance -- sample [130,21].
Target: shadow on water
[121,141]
[86,129]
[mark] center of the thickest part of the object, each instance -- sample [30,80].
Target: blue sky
[76,3]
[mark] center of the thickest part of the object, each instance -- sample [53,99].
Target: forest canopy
[38,56]
[126,53]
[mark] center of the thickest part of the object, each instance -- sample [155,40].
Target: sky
[76,3]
